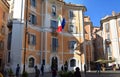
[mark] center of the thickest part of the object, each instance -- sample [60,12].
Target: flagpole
[62,49]
[63,24]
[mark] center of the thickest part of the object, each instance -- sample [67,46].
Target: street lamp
[25,35]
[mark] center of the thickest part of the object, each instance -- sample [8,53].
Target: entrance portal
[54,64]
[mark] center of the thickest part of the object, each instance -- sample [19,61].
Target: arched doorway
[54,63]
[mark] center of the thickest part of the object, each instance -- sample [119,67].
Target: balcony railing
[108,41]
[9,24]
[54,33]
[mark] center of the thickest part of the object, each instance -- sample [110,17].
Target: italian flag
[61,23]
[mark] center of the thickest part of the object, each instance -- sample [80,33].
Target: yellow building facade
[38,42]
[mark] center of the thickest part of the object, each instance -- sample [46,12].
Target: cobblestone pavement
[89,74]
[45,75]
[102,74]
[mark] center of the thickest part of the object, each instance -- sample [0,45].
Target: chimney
[113,13]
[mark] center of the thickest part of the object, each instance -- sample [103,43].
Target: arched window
[72,63]
[53,10]
[54,63]
[31,62]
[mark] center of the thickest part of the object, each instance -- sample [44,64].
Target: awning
[104,61]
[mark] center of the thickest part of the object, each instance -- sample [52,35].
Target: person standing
[17,70]
[54,72]
[77,72]
[85,68]
[66,66]
[42,69]
[37,71]
[62,68]
[98,66]
[6,69]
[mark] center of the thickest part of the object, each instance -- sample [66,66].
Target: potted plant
[10,73]
[25,74]
[66,74]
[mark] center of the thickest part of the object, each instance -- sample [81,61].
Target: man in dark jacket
[77,72]
[42,69]
[37,72]
[17,70]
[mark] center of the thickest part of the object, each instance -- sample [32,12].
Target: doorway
[54,63]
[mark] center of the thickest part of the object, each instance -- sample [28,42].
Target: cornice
[87,23]
[5,3]
[76,6]
[70,5]
[110,18]
[57,1]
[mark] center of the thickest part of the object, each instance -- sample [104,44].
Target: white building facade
[111,37]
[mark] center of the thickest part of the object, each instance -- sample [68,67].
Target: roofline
[77,6]
[109,18]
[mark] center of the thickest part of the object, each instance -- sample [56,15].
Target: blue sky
[97,9]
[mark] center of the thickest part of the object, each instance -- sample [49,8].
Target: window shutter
[74,29]
[72,45]
[35,19]
[56,42]
[34,40]
[28,38]
[71,28]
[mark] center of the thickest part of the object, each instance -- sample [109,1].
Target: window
[119,23]
[9,59]
[72,45]
[72,63]
[54,44]
[33,3]
[72,29]
[9,41]
[53,10]
[31,62]
[110,58]
[107,27]
[31,39]
[109,51]
[71,14]
[1,45]
[3,30]
[4,15]
[108,36]
[54,24]
[33,19]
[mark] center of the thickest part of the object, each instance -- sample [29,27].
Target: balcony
[107,41]
[9,24]
[54,33]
